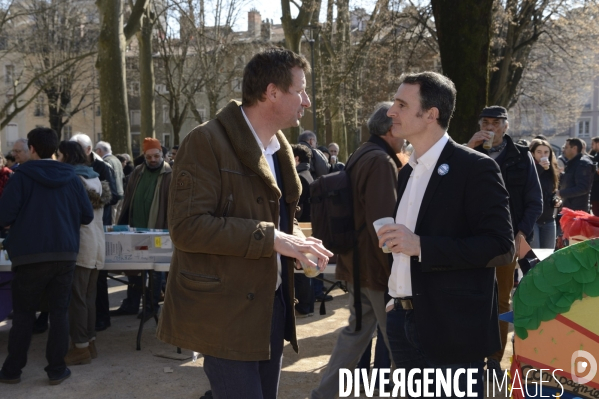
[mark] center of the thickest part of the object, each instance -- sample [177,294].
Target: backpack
[332,216]
[332,210]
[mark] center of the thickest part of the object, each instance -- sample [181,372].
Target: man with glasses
[20,151]
[145,205]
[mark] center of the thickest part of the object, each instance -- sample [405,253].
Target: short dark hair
[72,152]
[595,140]
[436,91]
[10,157]
[44,140]
[272,65]
[379,123]
[574,142]
[304,153]
[175,147]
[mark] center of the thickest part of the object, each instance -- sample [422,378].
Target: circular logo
[443,169]
[580,367]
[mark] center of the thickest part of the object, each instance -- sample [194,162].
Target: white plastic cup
[489,143]
[377,226]
[309,270]
[544,161]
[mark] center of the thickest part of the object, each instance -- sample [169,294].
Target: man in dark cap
[526,200]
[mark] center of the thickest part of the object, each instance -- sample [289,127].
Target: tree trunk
[146,78]
[113,88]
[463,30]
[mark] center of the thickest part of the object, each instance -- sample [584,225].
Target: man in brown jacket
[145,205]
[374,182]
[231,219]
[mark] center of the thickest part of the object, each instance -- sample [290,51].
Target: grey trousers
[82,308]
[351,344]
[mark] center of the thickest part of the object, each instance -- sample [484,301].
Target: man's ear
[433,114]
[272,92]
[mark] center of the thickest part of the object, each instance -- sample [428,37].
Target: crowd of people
[232,201]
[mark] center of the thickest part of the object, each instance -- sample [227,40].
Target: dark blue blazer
[465,232]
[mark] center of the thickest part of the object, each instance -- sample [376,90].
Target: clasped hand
[296,247]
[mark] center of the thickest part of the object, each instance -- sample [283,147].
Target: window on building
[9,74]
[202,112]
[583,128]
[67,132]
[135,144]
[40,106]
[98,111]
[98,137]
[12,134]
[165,116]
[166,140]
[135,118]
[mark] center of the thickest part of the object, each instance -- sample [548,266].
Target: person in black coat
[452,229]
[575,184]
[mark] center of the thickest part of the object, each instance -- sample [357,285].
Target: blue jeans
[407,353]
[234,379]
[29,282]
[544,235]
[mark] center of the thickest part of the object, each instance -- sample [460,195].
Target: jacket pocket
[198,281]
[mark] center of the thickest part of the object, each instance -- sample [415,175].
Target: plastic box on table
[138,247]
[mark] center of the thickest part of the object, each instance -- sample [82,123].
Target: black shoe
[324,298]
[122,312]
[65,374]
[101,325]
[6,380]
[207,395]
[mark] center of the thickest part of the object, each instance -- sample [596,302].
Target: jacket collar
[249,153]
[385,146]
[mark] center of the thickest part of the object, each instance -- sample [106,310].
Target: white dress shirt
[268,152]
[400,281]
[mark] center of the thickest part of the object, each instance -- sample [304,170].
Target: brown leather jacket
[223,207]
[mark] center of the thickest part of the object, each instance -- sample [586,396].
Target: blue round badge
[443,169]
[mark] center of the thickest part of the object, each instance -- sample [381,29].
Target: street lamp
[313,31]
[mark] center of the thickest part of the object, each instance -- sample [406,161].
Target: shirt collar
[273,145]
[429,159]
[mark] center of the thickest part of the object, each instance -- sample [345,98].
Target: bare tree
[60,34]
[343,54]
[308,12]
[114,34]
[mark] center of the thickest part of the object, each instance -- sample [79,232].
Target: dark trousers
[28,284]
[407,353]
[134,291]
[102,303]
[233,379]
[304,293]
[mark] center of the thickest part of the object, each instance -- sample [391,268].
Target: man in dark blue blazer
[452,228]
